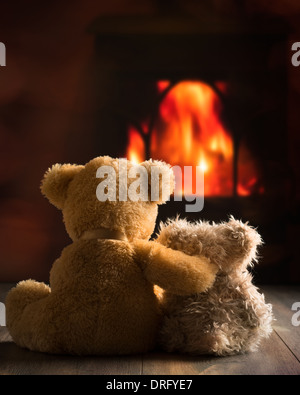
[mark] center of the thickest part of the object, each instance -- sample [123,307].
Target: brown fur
[101,298]
[229,318]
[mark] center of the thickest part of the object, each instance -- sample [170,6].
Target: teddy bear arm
[174,271]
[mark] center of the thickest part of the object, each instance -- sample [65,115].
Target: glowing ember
[163,85]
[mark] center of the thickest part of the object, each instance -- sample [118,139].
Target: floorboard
[279,355]
[273,358]
[17,361]
[282,299]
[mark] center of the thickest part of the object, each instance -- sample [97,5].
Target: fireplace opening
[190,93]
[188,128]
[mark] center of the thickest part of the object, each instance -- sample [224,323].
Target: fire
[189,132]
[203,165]
[136,151]
[163,85]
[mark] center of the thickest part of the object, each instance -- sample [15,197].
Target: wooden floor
[280,355]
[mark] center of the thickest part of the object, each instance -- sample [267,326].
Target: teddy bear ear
[161,180]
[56,182]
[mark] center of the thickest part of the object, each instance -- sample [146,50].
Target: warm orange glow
[203,165]
[249,182]
[136,148]
[189,132]
[222,86]
[163,85]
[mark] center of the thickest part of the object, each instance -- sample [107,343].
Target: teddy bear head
[239,242]
[109,194]
[231,245]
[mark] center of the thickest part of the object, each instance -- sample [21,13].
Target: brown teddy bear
[101,299]
[229,318]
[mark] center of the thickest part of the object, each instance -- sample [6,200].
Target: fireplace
[187,130]
[208,93]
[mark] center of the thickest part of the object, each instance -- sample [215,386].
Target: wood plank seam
[287,346]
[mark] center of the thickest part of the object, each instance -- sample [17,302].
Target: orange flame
[136,149]
[189,132]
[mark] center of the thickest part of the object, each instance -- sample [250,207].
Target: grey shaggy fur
[232,316]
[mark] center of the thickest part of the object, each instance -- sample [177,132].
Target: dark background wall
[47,110]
